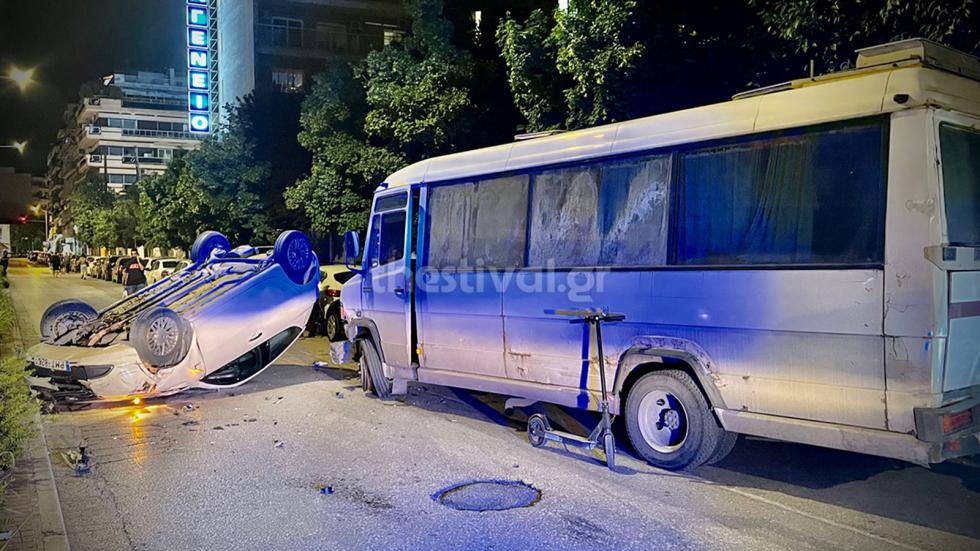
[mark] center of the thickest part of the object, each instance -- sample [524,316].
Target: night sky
[71,42]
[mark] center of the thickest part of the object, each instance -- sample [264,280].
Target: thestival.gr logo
[198,78]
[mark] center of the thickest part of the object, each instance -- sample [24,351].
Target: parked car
[326,319]
[107,268]
[120,268]
[216,323]
[159,268]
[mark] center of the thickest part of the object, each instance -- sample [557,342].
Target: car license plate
[53,365]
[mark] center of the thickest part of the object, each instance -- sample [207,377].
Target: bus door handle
[400,291]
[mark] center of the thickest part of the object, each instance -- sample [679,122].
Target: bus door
[386,289]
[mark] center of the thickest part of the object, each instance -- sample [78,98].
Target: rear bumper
[952,430]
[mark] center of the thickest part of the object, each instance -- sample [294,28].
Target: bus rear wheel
[669,422]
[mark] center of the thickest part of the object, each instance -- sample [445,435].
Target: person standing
[55,261]
[134,276]
[83,265]
[5,261]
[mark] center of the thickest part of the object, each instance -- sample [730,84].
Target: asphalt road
[212,478]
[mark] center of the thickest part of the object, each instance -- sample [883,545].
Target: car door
[386,288]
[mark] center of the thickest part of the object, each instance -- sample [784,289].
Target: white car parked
[159,268]
[216,323]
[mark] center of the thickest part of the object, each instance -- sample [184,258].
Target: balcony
[167,134]
[321,42]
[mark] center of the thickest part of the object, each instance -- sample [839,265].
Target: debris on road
[339,394]
[249,420]
[278,444]
[219,427]
[325,490]
[340,352]
[320,366]
[190,407]
[78,460]
[191,423]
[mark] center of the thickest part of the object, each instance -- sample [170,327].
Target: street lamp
[23,78]
[19,146]
[37,210]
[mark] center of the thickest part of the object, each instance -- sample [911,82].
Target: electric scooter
[539,430]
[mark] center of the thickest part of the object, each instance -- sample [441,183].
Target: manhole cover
[488,495]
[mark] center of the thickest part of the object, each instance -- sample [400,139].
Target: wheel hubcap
[662,421]
[162,336]
[296,255]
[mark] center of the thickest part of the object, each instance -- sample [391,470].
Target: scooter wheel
[537,426]
[609,447]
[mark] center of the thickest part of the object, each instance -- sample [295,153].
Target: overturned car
[216,323]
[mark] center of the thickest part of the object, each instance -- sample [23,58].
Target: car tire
[669,422]
[64,316]
[333,327]
[371,367]
[161,337]
[294,253]
[206,243]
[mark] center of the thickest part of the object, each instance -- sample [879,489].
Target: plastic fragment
[325,490]
[279,444]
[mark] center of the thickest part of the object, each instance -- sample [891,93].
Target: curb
[52,520]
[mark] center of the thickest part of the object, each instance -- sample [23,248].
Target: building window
[288,80]
[331,37]
[392,35]
[122,178]
[287,32]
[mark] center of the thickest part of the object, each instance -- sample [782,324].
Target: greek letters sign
[198,61]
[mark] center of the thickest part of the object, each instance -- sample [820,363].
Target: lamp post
[38,209]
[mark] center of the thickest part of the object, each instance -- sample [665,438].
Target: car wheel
[64,316]
[294,252]
[206,243]
[333,328]
[668,421]
[161,337]
[371,368]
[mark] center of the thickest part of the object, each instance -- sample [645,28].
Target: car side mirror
[352,249]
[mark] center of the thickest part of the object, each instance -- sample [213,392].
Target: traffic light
[22,218]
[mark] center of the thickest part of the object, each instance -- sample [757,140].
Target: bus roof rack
[909,52]
[541,134]
[927,52]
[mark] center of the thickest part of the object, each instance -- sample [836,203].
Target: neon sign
[198,61]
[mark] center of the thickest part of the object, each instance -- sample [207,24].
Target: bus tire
[725,446]
[669,422]
[371,368]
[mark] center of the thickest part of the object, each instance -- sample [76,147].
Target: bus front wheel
[372,370]
[669,422]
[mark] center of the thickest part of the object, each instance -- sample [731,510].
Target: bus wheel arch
[678,378]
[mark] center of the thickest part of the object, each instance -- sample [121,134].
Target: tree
[408,101]
[531,58]
[593,51]
[219,186]
[828,31]
[417,90]
[90,203]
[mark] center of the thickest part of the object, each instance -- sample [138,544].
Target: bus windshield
[961,180]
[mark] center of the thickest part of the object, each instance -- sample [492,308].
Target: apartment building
[281,44]
[135,128]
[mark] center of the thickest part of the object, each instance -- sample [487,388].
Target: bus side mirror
[352,250]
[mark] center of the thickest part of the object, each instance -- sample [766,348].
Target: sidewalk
[31,517]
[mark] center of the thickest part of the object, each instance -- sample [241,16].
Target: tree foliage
[828,31]
[531,57]
[405,102]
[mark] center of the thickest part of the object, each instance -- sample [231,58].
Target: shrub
[17,405]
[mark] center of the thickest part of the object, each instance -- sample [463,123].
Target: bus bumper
[952,430]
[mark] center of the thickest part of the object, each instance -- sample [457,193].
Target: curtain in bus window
[478,225]
[633,212]
[564,218]
[805,199]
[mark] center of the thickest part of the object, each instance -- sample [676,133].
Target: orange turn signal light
[953,422]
